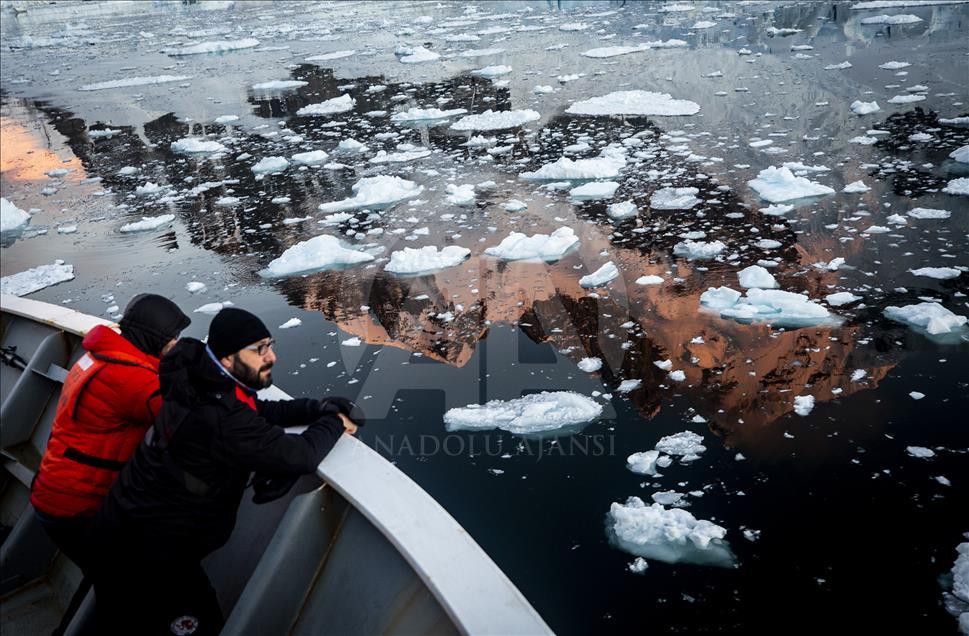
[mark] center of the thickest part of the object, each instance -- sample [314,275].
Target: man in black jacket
[176,501]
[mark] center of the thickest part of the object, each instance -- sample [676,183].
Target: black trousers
[71,535]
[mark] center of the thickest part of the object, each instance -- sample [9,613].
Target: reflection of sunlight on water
[26,149]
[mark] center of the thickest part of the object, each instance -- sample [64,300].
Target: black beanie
[150,321]
[232,329]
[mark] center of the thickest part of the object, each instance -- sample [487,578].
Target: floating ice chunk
[835,67]
[773,306]
[104,132]
[212,308]
[642,103]
[678,375]
[622,210]
[665,365]
[192,145]
[425,260]
[638,566]
[649,280]
[906,18]
[856,187]
[278,85]
[606,166]
[490,72]
[517,246]
[894,66]
[600,277]
[590,365]
[292,322]
[643,463]
[670,498]
[958,186]
[896,219]
[929,213]
[425,114]
[148,223]
[462,195]
[960,575]
[226,119]
[217,46]
[312,158]
[535,413]
[803,404]
[841,298]
[514,205]
[594,190]
[399,157]
[36,278]
[932,317]
[542,89]
[340,104]
[319,252]
[227,201]
[863,141]
[375,192]
[687,445]
[915,395]
[778,209]
[938,273]
[11,217]
[698,249]
[906,99]
[876,229]
[195,287]
[491,120]
[335,55]
[351,145]
[960,154]
[352,342]
[417,55]
[920,452]
[269,165]
[668,535]
[613,51]
[674,198]
[627,386]
[756,276]
[703,24]
[779,184]
[481,52]
[134,81]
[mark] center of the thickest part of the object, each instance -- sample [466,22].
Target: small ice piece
[490,72]
[687,445]
[11,217]
[534,413]
[514,205]
[195,287]
[416,55]
[649,280]
[960,154]
[904,18]
[590,365]
[292,322]
[594,190]
[461,195]
[779,184]
[627,386]
[269,165]
[642,103]
[698,249]
[492,120]
[938,273]
[426,114]
[856,187]
[278,85]
[36,278]
[678,375]
[893,66]
[312,158]
[192,146]
[134,81]
[517,246]
[674,198]
[412,262]
[351,145]
[148,223]
[930,316]
[622,210]
[756,276]
[600,277]
[148,189]
[614,51]
[862,140]
[227,201]
[226,119]
[906,99]
[836,67]
[374,193]
[915,395]
[720,297]
[876,229]
[352,342]
[920,452]
[319,252]
[958,186]
[327,57]
[542,89]
[929,213]
[777,209]
[665,365]
[340,104]
[803,404]
[841,298]
[606,166]
[217,46]
[638,565]
[668,535]
[212,308]
[703,24]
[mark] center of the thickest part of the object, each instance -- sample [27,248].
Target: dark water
[854,532]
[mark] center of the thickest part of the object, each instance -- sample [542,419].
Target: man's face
[252,369]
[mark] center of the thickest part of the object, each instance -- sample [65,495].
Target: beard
[253,377]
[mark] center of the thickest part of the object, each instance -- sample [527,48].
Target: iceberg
[424,260]
[319,252]
[374,193]
[803,404]
[491,120]
[535,413]
[11,217]
[931,317]
[606,166]
[340,104]
[756,276]
[641,103]
[773,306]
[938,273]
[957,186]
[859,107]
[546,247]
[779,184]
[36,278]
[600,277]
[590,365]
[674,198]
[960,154]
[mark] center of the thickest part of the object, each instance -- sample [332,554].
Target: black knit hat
[151,321]
[232,329]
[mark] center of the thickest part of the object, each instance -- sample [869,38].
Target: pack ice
[533,413]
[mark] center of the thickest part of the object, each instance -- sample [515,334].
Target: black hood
[151,321]
[187,373]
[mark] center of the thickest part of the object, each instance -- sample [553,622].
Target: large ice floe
[375,193]
[774,306]
[216,46]
[534,413]
[148,223]
[340,104]
[546,247]
[779,184]
[413,262]
[674,198]
[492,120]
[134,81]
[317,253]
[669,535]
[195,146]
[634,103]
[606,166]
[11,217]
[928,317]
[36,278]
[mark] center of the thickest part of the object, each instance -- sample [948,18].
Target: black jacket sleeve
[254,443]
[298,412]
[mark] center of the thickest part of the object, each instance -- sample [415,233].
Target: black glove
[267,487]
[344,406]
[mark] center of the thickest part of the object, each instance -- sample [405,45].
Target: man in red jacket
[109,400]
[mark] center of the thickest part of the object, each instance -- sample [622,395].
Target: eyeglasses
[261,348]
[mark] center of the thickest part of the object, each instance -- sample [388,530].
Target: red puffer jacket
[109,400]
